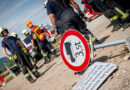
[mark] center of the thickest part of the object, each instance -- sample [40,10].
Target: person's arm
[32,42]
[34,36]
[5,53]
[75,5]
[51,16]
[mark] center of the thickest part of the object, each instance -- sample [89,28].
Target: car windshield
[26,41]
[48,27]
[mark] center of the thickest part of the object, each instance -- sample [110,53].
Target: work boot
[30,79]
[55,54]
[35,66]
[37,74]
[47,60]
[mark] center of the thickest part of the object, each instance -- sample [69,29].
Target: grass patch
[9,79]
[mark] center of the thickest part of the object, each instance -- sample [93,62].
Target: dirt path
[58,76]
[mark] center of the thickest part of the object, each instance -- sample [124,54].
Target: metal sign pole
[110,43]
[126,39]
[91,47]
[12,73]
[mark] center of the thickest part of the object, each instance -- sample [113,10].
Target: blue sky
[15,13]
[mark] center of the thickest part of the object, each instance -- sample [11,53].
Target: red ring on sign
[87,58]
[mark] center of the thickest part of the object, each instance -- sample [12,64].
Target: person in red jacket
[45,46]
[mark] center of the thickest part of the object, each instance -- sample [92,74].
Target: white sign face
[95,76]
[74,50]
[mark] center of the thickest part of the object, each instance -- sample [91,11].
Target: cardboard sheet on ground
[94,76]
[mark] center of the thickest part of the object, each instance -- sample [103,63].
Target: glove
[11,58]
[14,57]
[24,50]
[81,14]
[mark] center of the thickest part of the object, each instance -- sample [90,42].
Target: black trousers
[24,62]
[45,46]
[107,7]
[60,28]
[123,3]
[71,20]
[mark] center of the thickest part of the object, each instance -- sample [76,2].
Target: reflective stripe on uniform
[47,58]
[52,50]
[39,36]
[93,38]
[113,18]
[124,15]
[33,70]
[27,74]
[43,53]
[31,61]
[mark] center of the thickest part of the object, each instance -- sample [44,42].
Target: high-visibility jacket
[36,30]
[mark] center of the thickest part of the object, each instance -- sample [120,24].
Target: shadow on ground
[102,59]
[104,38]
[48,68]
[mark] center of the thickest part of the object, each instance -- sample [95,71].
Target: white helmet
[1,30]
[14,34]
[45,3]
[25,32]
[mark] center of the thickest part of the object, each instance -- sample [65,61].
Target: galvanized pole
[91,47]
[126,39]
[12,73]
[110,43]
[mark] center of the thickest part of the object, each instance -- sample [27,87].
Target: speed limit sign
[75,50]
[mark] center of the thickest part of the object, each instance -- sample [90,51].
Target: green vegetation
[9,79]
[8,63]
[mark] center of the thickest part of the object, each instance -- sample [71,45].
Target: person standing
[63,10]
[19,54]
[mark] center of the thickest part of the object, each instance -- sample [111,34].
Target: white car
[49,31]
[28,45]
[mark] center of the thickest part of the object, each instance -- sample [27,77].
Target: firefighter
[43,43]
[35,48]
[19,54]
[111,10]
[14,34]
[124,4]
[30,38]
[68,17]
[60,30]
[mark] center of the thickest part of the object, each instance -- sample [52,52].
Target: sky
[15,13]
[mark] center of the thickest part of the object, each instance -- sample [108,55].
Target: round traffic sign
[75,50]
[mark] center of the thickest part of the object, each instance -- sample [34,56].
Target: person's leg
[82,28]
[27,74]
[21,64]
[30,66]
[119,11]
[60,27]
[44,51]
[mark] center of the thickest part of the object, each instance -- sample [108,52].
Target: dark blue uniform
[23,59]
[29,37]
[11,41]
[65,13]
